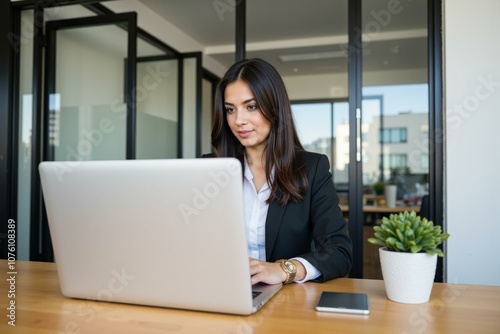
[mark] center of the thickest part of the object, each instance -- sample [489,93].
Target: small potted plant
[378,189]
[408,255]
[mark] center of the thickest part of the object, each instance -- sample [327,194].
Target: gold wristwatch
[290,270]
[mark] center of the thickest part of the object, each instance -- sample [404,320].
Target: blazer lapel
[273,222]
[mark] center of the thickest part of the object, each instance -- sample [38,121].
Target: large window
[396,161]
[323,128]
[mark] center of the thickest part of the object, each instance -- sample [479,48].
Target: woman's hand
[271,272]
[266,272]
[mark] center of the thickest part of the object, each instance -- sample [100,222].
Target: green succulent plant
[409,233]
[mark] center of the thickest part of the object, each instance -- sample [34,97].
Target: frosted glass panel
[90,133]
[206,119]
[157,109]
[189,110]
[88,113]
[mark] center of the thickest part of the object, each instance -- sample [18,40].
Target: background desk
[382,209]
[40,308]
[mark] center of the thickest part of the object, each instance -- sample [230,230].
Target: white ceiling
[395,38]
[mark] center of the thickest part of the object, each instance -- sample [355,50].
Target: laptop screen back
[155,232]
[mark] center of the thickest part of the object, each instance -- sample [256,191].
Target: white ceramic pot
[408,277]
[390,195]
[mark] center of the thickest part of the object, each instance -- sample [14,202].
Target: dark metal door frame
[39,233]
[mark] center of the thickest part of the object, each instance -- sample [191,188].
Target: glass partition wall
[311,52]
[102,101]
[87,116]
[29,133]
[395,112]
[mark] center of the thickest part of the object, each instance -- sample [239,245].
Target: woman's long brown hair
[290,180]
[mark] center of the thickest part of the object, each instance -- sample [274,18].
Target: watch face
[290,266]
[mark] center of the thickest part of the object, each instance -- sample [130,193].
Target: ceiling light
[318,55]
[312,56]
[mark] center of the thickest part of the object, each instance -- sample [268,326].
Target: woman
[295,228]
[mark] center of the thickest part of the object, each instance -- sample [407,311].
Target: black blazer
[314,228]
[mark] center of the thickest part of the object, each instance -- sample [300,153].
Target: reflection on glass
[395,120]
[314,126]
[25,141]
[323,127]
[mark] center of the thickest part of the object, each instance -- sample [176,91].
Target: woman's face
[244,116]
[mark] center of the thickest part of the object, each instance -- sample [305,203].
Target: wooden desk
[40,308]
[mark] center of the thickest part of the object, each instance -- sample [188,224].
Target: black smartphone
[344,302]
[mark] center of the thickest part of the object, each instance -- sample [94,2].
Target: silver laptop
[167,233]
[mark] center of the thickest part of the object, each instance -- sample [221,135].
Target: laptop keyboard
[256,293]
